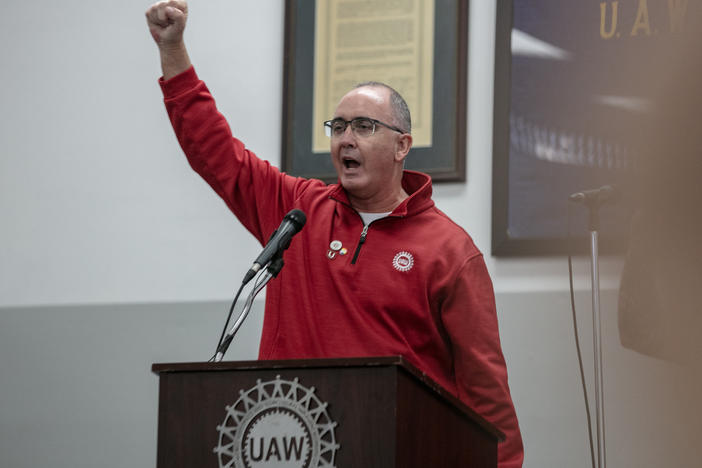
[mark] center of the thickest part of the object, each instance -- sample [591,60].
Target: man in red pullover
[378,269]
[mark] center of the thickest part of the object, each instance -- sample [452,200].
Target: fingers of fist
[166,13]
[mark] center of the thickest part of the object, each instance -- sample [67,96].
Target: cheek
[334,150]
[380,157]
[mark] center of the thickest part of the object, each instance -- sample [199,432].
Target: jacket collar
[416,184]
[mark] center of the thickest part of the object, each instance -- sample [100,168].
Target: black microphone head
[297,218]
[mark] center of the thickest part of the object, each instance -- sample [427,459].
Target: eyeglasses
[361,126]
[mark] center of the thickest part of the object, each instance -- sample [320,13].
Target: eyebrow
[354,118]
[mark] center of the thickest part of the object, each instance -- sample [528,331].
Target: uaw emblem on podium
[278,423]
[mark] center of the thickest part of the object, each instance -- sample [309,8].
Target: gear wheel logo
[278,423]
[403,261]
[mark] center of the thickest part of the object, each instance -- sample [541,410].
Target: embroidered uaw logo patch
[278,423]
[403,261]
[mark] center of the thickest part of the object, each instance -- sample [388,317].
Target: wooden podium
[360,412]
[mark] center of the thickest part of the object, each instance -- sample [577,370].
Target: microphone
[596,196]
[279,241]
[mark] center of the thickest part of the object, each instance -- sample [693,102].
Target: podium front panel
[366,414]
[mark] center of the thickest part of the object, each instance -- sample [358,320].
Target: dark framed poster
[418,47]
[578,89]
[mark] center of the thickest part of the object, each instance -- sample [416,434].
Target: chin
[352,184]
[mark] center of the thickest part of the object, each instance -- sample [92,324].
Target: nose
[347,138]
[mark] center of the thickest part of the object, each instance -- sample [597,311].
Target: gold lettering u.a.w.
[641,19]
[608,34]
[677,9]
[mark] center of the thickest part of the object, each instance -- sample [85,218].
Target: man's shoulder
[311,192]
[451,233]
[313,188]
[448,223]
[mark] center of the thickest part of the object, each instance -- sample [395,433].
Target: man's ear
[402,147]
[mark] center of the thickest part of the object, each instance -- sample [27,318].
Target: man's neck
[385,205]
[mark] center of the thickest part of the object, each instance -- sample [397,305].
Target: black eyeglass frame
[329,123]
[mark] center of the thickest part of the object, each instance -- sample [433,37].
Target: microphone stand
[597,332]
[593,200]
[271,272]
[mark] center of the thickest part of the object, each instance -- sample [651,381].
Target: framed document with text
[418,47]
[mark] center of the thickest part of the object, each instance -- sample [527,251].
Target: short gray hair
[400,109]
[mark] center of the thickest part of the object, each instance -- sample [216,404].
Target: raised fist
[166,20]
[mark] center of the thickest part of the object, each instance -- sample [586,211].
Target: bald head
[398,105]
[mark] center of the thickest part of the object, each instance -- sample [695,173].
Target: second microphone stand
[597,332]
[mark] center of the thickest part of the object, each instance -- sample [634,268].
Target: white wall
[96,200]
[98,206]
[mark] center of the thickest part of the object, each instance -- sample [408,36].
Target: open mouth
[350,163]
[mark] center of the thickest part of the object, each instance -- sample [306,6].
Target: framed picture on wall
[418,47]
[566,110]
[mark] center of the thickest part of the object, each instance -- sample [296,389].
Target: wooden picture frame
[443,160]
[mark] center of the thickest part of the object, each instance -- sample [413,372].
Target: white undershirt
[370,217]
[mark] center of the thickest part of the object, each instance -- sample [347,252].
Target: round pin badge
[403,261]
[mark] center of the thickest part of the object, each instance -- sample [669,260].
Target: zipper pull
[364,233]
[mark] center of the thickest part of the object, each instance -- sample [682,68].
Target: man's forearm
[174,60]
[166,20]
